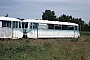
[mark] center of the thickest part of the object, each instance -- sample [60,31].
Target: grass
[46,49]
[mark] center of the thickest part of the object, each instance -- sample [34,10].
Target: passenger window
[35,25]
[58,27]
[70,27]
[6,24]
[50,26]
[76,28]
[15,24]
[26,25]
[19,24]
[31,26]
[64,27]
[43,26]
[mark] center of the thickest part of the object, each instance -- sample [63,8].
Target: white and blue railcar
[50,29]
[10,28]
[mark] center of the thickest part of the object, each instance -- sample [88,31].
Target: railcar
[10,28]
[49,29]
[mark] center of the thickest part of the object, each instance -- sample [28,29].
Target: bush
[27,40]
[85,33]
[24,48]
[74,40]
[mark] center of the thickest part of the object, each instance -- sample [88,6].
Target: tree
[49,15]
[89,23]
[86,27]
[65,18]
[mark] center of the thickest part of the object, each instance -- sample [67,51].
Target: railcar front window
[6,24]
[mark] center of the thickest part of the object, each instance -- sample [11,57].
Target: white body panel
[5,32]
[9,33]
[32,34]
[17,34]
[41,33]
[55,34]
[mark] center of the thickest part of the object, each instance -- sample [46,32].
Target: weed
[74,40]
[27,40]
[47,44]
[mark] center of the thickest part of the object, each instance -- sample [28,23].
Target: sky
[32,9]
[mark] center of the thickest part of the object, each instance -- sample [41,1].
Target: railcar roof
[49,22]
[9,19]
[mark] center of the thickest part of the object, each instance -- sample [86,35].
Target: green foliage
[27,40]
[47,44]
[1,50]
[49,15]
[74,40]
[23,48]
[50,49]
[84,33]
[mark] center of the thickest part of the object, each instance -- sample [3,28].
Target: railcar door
[25,29]
[14,29]
[33,30]
[76,32]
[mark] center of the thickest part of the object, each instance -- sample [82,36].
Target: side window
[64,27]
[19,24]
[70,27]
[50,26]
[31,25]
[57,27]
[15,24]
[26,25]
[23,24]
[6,24]
[34,25]
[43,26]
[76,28]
